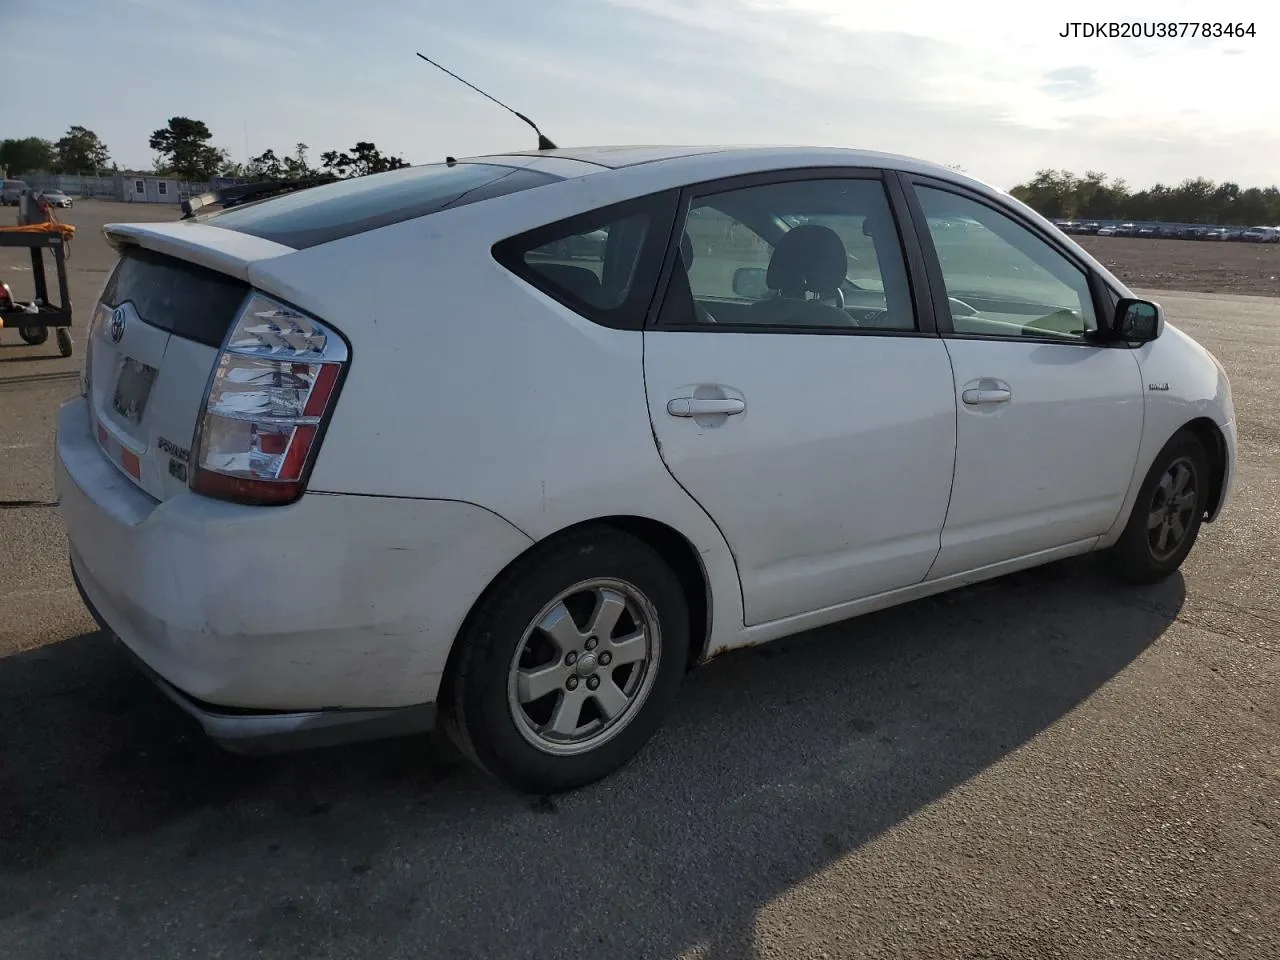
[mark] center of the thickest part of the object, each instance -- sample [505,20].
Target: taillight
[271,391]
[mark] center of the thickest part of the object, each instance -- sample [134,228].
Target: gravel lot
[1204,266]
[1047,766]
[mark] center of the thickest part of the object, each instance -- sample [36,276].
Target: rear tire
[569,663]
[34,335]
[1166,515]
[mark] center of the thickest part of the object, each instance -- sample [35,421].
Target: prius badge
[1157,386]
[117,324]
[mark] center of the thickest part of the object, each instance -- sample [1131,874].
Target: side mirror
[749,283]
[1138,321]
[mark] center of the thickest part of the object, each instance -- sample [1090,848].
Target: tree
[298,165]
[364,159]
[271,166]
[80,151]
[266,165]
[26,155]
[185,150]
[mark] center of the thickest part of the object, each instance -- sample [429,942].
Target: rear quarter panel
[467,384]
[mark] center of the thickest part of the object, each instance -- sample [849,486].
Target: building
[147,188]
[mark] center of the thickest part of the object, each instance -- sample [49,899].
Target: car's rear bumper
[257,732]
[266,622]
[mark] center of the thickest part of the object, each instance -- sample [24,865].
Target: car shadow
[777,762]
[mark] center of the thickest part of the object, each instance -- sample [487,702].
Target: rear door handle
[973,397]
[700,407]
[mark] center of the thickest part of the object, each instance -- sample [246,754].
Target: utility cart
[34,319]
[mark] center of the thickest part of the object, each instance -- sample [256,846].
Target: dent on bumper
[250,732]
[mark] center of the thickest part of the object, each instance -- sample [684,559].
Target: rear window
[336,210]
[181,298]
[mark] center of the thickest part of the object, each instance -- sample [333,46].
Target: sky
[988,85]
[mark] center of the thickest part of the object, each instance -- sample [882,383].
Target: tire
[534,623]
[32,334]
[63,337]
[1146,553]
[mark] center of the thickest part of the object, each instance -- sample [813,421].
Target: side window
[1002,280]
[817,254]
[576,262]
[603,265]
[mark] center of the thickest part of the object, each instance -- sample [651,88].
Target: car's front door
[797,390]
[1049,420]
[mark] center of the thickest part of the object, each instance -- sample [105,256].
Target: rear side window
[603,265]
[335,210]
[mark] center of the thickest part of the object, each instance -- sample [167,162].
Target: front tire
[569,663]
[1166,515]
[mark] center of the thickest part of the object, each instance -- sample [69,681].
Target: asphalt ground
[1046,766]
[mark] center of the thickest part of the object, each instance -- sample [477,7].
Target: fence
[109,186]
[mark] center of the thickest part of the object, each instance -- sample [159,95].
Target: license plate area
[133,389]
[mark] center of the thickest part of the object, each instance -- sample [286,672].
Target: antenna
[543,142]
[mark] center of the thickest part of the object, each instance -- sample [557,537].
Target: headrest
[809,257]
[580,281]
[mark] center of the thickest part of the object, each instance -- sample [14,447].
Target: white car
[378,453]
[56,198]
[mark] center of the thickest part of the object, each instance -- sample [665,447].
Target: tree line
[1060,194]
[183,150]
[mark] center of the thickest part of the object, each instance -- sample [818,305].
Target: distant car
[1148,231]
[1257,235]
[1089,227]
[1126,230]
[363,456]
[1192,233]
[55,198]
[10,191]
[1214,233]
[1107,231]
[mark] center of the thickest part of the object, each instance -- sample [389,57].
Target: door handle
[973,397]
[705,407]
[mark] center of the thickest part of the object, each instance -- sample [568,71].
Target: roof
[618,157]
[614,157]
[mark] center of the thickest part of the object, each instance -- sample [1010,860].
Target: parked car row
[1170,231]
[11,190]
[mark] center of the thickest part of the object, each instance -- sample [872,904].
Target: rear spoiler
[244,192]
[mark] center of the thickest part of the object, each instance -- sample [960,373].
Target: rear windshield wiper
[243,193]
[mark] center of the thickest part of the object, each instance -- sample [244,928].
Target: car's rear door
[822,446]
[1049,418]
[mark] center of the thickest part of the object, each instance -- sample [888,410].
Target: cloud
[995,89]
[1070,83]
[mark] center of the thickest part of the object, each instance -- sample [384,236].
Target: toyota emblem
[117,324]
